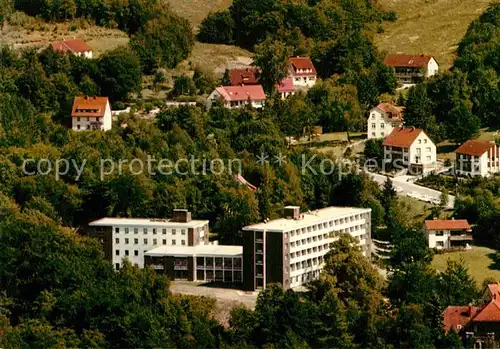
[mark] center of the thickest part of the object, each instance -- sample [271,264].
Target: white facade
[307,240]
[483,165]
[132,238]
[432,68]
[421,152]
[85,123]
[304,78]
[439,239]
[216,96]
[379,124]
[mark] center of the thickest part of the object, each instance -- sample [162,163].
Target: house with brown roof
[237,96]
[302,72]
[410,147]
[77,47]
[479,326]
[246,76]
[383,119]
[477,158]
[91,113]
[447,233]
[411,69]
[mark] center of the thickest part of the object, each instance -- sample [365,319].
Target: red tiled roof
[403,60]
[454,316]
[246,76]
[475,147]
[72,45]
[402,137]
[242,93]
[285,85]
[447,224]
[490,312]
[89,106]
[302,63]
[394,112]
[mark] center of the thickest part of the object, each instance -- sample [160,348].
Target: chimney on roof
[452,218]
[181,216]
[292,212]
[412,128]
[435,218]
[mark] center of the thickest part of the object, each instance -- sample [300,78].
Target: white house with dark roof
[477,158]
[91,113]
[383,119]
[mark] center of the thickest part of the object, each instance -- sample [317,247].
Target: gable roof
[302,63]
[242,93]
[404,60]
[246,76]
[285,85]
[474,147]
[71,45]
[394,112]
[489,313]
[402,137]
[447,224]
[89,106]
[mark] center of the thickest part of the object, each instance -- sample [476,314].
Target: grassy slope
[429,26]
[39,34]
[479,262]
[196,10]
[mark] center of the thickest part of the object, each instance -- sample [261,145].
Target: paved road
[413,190]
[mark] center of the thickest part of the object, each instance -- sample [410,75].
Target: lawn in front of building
[479,261]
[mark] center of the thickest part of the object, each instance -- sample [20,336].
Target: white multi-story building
[477,158]
[91,113]
[131,238]
[291,250]
[447,233]
[238,96]
[383,119]
[410,148]
[302,72]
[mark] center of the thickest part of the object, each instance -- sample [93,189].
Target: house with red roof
[383,119]
[479,326]
[285,88]
[77,47]
[91,113]
[237,96]
[477,158]
[411,69]
[410,147]
[447,233]
[302,72]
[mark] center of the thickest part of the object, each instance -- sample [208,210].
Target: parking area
[224,295]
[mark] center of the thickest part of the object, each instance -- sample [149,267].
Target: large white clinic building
[131,238]
[291,250]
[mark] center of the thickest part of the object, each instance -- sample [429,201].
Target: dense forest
[57,291]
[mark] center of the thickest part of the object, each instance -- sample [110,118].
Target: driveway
[413,190]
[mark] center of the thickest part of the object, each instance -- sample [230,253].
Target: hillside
[428,26]
[196,10]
